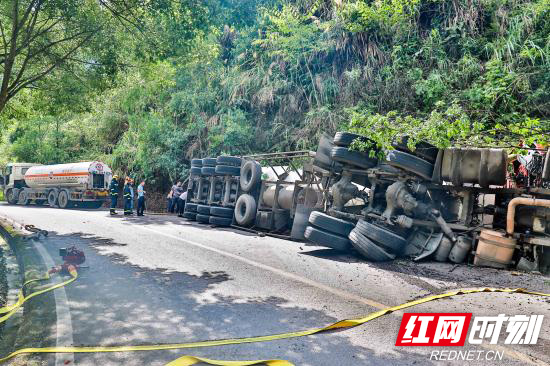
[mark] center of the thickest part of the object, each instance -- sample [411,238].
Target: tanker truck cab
[14,180]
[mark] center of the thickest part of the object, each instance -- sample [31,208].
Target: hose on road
[191,360]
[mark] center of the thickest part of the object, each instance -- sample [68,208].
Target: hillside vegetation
[263,76]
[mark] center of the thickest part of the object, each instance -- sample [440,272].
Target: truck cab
[13,179]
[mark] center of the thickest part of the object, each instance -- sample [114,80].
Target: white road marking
[344,294]
[64,326]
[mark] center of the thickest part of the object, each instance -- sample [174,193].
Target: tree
[38,37]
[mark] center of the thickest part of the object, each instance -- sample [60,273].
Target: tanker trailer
[82,184]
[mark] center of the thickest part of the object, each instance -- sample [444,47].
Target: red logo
[433,329]
[99,167]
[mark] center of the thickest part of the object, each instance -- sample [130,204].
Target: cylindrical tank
[284,199]
[80,175]
[494,249]
[476,166]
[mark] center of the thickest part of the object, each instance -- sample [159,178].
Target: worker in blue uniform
[127,198]
[113,190]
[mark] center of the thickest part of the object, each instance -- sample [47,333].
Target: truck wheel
[190,207]
[368,249]
[422,149]
[63,199]
[202,219]
[23,198]
[329,223]
[245,210]
[229,160]
[208,170]
[251,175]
[380,235]
[196,170]
[345,139]
[221,211]
[203,209]
[190,215]
[196,163]
[12,196]
[410,163]
[52,198]
[220,221]
[356,158]
[327,239]
[209,162]
[227,170]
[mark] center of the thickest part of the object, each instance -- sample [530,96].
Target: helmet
[115,176]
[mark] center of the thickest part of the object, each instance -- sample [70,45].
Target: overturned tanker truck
[474,205]
[83,184]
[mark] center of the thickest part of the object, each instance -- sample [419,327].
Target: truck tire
[331,224]
[202,219]
[221,211]
[190,215]
[208,170]
[195,170]
[203,209]
[191,207]
[351,157]
[220,221]
[382,236]
[52,197]
[410,163]
[12,195]
[368,249]
[22,198]
[229,160]
[326,239]
[227,170]
[251,175]
[209,162]
[63,199]
[245,210]
[344,139]
[196,163]
[422,149]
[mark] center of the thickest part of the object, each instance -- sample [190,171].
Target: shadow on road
[117,303]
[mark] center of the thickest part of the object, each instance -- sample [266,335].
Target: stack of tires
[250,182]
[208,167]
[419,161]
[329,231]
[376,242]
[342,154]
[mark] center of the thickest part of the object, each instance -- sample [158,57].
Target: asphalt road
[160,279]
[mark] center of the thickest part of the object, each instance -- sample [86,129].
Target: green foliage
[274,75]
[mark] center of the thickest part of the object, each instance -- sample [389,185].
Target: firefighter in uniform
[113,189]
[127,198]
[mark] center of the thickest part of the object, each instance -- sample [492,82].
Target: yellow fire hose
[191,360]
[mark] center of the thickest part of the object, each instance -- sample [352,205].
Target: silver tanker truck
[83,184]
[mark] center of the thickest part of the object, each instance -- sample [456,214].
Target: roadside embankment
[31,326]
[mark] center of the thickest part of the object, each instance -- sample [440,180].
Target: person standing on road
[169,201]
[132,194]
[127,198]
[113,190]
[181,203]
[177,190]
[141,198]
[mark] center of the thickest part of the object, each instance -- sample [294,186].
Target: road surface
[161,279]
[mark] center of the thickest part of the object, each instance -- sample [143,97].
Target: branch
[14,89]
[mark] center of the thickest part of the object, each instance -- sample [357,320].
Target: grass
[32,326]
